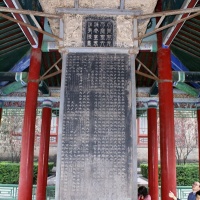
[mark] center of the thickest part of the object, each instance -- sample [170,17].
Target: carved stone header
[73,21]
[76,31]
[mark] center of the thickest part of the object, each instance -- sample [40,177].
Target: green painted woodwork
[186,88]
[12,87]
[21,81]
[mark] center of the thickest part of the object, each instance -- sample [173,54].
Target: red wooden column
[152,149]
[167,136]
[28,133]
[1,110]
[198,122]
[44,150]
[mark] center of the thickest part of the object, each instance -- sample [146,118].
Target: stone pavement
[142,181]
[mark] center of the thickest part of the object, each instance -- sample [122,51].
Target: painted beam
[180,78]
[173,31]
[30,34]
[19,80]
[186,88]
[7,76]
[177,65]
[181,74]
[20,66]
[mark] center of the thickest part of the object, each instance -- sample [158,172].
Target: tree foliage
[185,137]
[10,136]
[11,133]
[185,174]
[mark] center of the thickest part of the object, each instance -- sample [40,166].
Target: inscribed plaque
[96,129]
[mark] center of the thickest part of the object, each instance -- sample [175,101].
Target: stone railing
[10,191]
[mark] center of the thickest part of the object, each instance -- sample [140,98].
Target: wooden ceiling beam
[173,31]
[168,25]
[31,27]
[29,12]
[29,33]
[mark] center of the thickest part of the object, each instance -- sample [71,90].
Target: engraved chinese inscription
[96,139]
[99,32]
